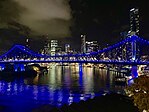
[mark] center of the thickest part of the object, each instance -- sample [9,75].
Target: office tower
[83,44]
[134,21]
[27,42]
[54,44]
[91,46]
[67,48]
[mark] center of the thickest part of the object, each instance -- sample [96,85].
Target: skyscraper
[83,44]
[134,21]
[92,46]
[27,42]
[67,48]
[54,44]
[46,49]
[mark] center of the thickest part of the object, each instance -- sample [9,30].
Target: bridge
[126,52]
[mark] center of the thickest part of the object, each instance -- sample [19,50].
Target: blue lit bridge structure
[126,52]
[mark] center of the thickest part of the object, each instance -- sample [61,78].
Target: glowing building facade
[83,44]
[54,45]
[91,46]
[67,48]
[134,21]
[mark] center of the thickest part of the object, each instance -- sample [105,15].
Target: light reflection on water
[62,84]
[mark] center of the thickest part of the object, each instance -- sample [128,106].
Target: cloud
[46,16]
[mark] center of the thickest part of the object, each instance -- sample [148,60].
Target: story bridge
[126,52]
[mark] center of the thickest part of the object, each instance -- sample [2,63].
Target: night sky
[66,20]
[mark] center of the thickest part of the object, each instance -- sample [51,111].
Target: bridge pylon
[134,48]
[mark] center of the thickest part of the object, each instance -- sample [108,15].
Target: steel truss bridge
[125,52]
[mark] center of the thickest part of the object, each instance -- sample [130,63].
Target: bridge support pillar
[16,66]
[22,68]
[134,50]
[2,66]
[19,67]
[134,71]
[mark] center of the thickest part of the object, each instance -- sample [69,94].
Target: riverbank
[108,103]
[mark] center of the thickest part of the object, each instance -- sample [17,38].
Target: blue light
[19,51]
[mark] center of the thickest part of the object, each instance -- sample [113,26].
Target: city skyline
[74,55]
[86,15]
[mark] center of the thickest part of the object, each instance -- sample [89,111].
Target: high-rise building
[58,50]
[54,45]
[46,49]
[134,30]
[127,49]
[83,44]
[27,42]
[67,48]
[134,21]
[91,46]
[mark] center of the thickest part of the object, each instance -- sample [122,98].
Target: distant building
[91,46]
[46,49]
[27,42]
[134,27]
[54,45]
[134,30]
[83,43]
[67,48]
[58,50]
[134,21]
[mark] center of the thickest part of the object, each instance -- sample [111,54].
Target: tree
[139,91]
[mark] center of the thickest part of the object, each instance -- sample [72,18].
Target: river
[61,85]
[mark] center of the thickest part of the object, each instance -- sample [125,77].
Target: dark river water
[61,85]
